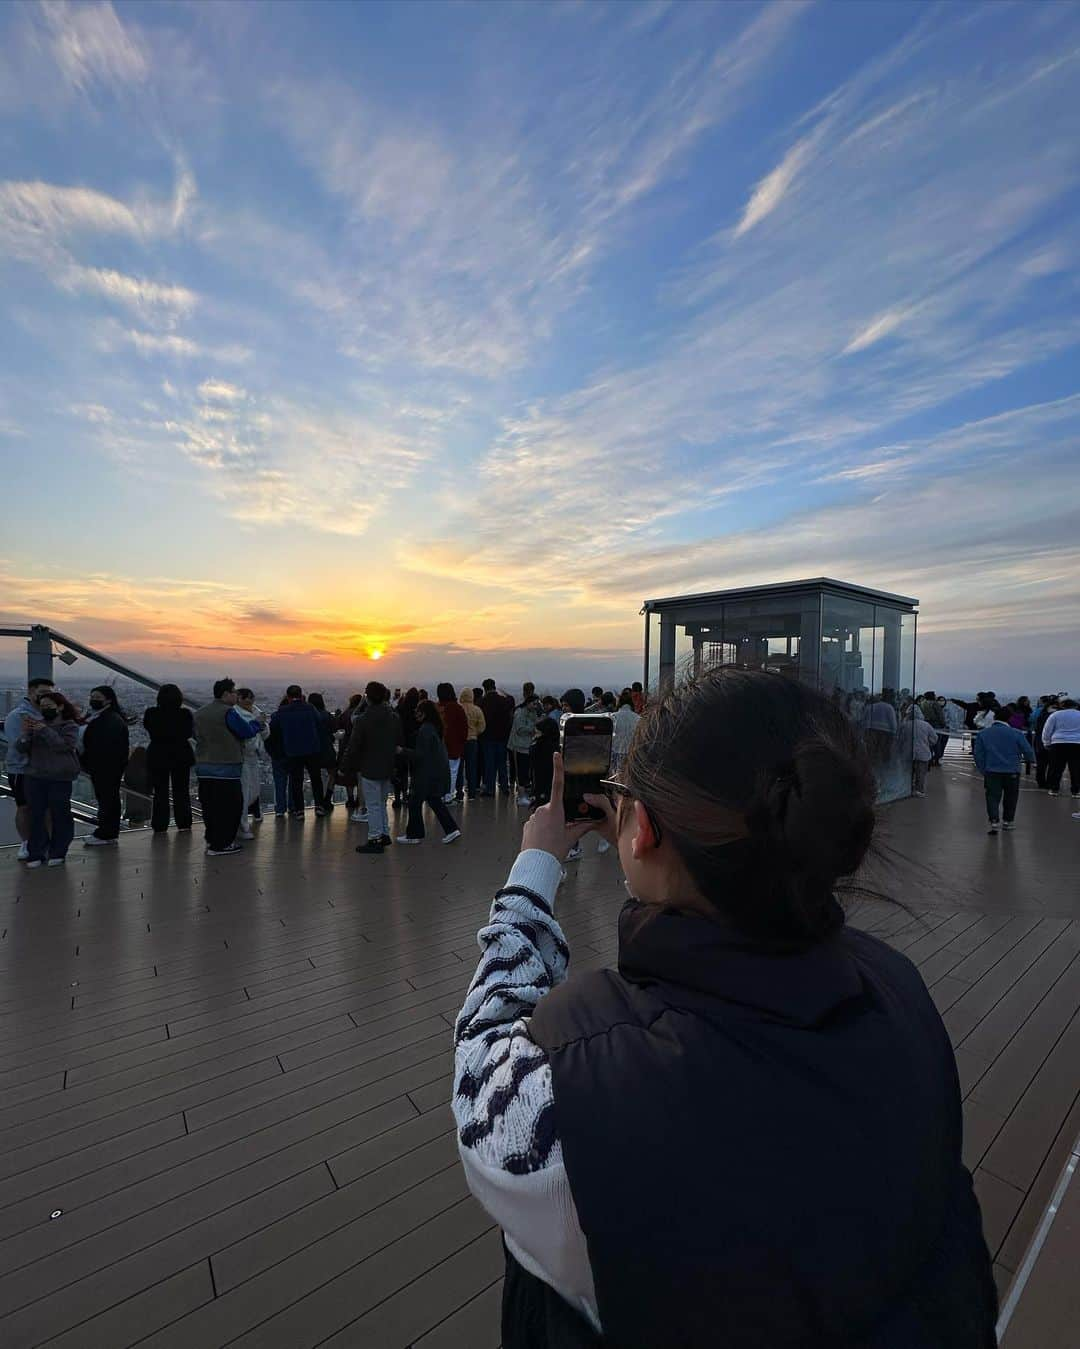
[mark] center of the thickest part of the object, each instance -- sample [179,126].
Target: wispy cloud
[91,46]
[875,330]
[770,192]
[132,291]
[220,391]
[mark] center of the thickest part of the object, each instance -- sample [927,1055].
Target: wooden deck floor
[228,1078]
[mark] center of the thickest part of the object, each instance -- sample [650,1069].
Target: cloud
[218,390]
[875,330]
[770,192]
[151,344]
[91,46]
[133,291]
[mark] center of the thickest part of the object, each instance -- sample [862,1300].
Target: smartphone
[585,741]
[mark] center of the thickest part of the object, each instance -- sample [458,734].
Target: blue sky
[331,328]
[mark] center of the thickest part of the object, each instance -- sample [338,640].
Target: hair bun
[826,809]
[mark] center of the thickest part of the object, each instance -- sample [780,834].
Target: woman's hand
[546,828]
[607,828]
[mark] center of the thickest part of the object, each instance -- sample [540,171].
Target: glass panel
[765,634]
[653,622]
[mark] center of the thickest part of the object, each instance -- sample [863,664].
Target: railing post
[39,657]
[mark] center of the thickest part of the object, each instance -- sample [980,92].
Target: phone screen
[586,751]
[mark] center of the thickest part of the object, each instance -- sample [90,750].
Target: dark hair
[376,693]
[355,699]
[109,694]
[607,700]
[549,702]
[635,687]
[489,684]
[68,711]
[430,714]
[597,691]
[766,793]
[527,690]
[445,693]
[170,698]
[1063,704]
[317,701]
[422,694]
[245,693]
[546,729]
[38,681]
[294,691]
[626,699]
[575,700]
[223,686]
[477,694]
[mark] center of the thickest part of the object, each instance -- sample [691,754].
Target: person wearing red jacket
[455,732]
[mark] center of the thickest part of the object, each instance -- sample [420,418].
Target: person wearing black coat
[170,757]
[105,749]
[429,777]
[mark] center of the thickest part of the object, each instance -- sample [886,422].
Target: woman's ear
[644,840]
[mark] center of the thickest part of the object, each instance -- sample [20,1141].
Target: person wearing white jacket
[923,739]
[1061,736]
[254,757]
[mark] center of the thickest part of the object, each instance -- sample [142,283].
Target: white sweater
[503,1102]
[1062,727]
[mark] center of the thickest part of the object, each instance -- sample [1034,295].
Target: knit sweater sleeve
[503,1102]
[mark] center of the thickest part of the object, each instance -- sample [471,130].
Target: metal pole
[39,657]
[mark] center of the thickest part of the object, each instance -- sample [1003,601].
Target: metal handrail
[91,653]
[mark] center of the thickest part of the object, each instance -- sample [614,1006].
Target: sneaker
[1008,825]
[296,814]
[918,793]
[30,866]
[224,852]
[358,816]
[524,800]
[401,838]
[92,841]
[1051,792]
[993,827]
[385,840]
[574,853]
[1076,814]
[448,798]
[183,828]
[56,861]
[452,836]
[603,846]
[1076,796]
[24,853]
[321,812]
[372,846]
[245,834]
[279,814]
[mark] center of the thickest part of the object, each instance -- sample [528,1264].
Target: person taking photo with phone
[749,1133]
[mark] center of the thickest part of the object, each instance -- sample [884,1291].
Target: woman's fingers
[606,827]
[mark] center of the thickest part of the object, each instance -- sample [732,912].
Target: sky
[435,338]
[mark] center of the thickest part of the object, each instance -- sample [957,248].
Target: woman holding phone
[749,1133]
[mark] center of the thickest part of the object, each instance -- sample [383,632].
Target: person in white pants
[254,756]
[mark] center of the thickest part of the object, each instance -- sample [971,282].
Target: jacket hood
[465,696]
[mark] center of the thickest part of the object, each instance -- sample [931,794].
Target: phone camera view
[587,755]
[586,749]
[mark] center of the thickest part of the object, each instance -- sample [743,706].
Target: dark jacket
[171,731]
[430,776]
[455,727]
[50,751]
[327,752]
[105,744]
[299,729]
[372,748]
[763,1145]
[498,710]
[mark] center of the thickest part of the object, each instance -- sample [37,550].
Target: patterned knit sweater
[503,1101]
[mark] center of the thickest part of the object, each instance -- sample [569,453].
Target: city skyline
[453,333]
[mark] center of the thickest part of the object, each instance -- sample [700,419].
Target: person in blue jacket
[999,748]
[302,742]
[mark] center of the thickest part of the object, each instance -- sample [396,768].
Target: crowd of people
[418,752]
[406,750]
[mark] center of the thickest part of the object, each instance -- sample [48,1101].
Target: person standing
[430,777]
[220,731]
[596,702]
[327,748]
[879,722]
[522,731]
[637,694]
[105,748]
[27,706]
[1048,704]
[924,738]
[374,741]
[455,732]
[406,710]
[170,758]
[302,742]
[626,720]
[475,718]
[279,766]
[254,758]
[342,777]
[998,751]
[932,709]
[498,710]
[48,742]
[1061,736]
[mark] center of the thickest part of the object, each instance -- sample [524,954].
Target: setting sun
[375,653]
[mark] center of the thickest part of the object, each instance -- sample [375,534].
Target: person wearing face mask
[16,760]
[105,749]
[48,740]
[630,1129]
